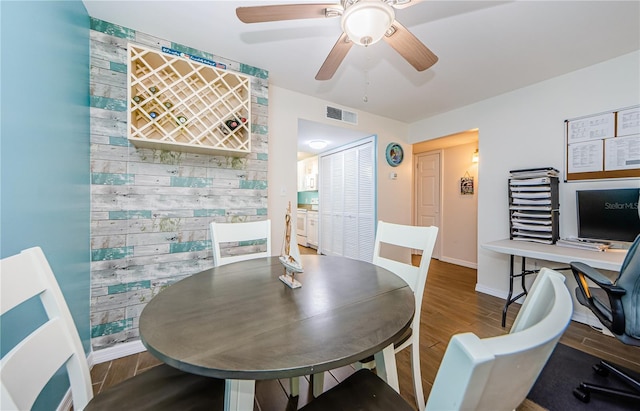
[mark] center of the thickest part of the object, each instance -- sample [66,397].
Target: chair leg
[317,381]
[583,392]
[417,376]
[294,386]
[635,384]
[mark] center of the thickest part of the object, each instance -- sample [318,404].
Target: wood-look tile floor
[450,306]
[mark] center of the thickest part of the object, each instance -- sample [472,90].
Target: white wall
[525,128]
[459,212]
[285,108]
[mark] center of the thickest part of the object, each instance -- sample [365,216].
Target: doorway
[427,190]
[442,166]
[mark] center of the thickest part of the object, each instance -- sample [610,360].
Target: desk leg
[386,367]
[523,273]
[239,395]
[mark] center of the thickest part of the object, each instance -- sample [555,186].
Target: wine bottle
[232,124]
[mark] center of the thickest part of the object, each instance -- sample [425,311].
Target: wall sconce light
[474,157]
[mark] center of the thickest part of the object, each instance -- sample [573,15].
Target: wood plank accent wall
[150,209]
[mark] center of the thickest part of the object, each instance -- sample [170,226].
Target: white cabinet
[312,229]
[308,174]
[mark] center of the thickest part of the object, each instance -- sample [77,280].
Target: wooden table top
[239,321]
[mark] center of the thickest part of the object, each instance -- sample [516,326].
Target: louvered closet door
[347,202]
[366,202]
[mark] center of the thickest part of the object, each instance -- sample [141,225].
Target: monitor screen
[608,214]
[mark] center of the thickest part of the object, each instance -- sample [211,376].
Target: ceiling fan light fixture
[317,144]
[366,21]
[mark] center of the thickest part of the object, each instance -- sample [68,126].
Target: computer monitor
[608,215]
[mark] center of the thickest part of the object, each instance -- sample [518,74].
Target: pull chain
[365,98]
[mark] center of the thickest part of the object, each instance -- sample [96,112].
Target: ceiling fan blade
[259,14]
[401,4]
[409,47]
[335,57]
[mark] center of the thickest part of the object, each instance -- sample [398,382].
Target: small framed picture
[394,154]
[466,185]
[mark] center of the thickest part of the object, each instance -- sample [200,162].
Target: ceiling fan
[364,22]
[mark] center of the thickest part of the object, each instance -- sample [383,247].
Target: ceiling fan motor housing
[366,21]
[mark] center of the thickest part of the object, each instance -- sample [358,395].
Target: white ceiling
[485,48]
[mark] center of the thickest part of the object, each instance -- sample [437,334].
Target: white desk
[604,260]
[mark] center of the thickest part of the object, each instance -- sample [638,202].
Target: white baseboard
[115,352]
[100,356]
[581,317]
[463,263]
[491,291]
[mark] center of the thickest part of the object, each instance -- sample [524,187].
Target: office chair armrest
[616,321]
[598,278]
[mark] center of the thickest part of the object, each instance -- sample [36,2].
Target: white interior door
[428,194]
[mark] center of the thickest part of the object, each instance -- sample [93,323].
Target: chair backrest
[629,279]
[411,237]
[29,366]
[249,236]
[497,373]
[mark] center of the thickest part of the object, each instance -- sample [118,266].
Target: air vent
[342,115]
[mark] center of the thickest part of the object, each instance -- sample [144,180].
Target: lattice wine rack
[176,103]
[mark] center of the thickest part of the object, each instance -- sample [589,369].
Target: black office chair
[617,306]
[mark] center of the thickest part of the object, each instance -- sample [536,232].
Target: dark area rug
[565,370]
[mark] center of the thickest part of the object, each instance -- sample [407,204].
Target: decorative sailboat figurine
[290,257]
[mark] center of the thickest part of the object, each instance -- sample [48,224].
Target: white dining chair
[33,362]
[247,235]
[413,238]
[493,374]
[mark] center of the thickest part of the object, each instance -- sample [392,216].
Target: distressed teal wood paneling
[119,67]
[190,246]
[209,212]
[111,178]
[123,288]
[252,242]
[111,327]
[112,29]
[259,129]
[118,253]
[152,208]
[129,214]
[108,103]
[253,185]
[119,141]
[254,71]
[190,182]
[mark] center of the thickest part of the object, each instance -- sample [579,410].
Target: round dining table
[240,323]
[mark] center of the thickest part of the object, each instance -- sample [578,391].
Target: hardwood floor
[450,306]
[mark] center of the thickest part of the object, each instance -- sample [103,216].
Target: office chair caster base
[600,370]
[582,394]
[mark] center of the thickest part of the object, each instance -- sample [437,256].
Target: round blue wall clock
[394,154]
